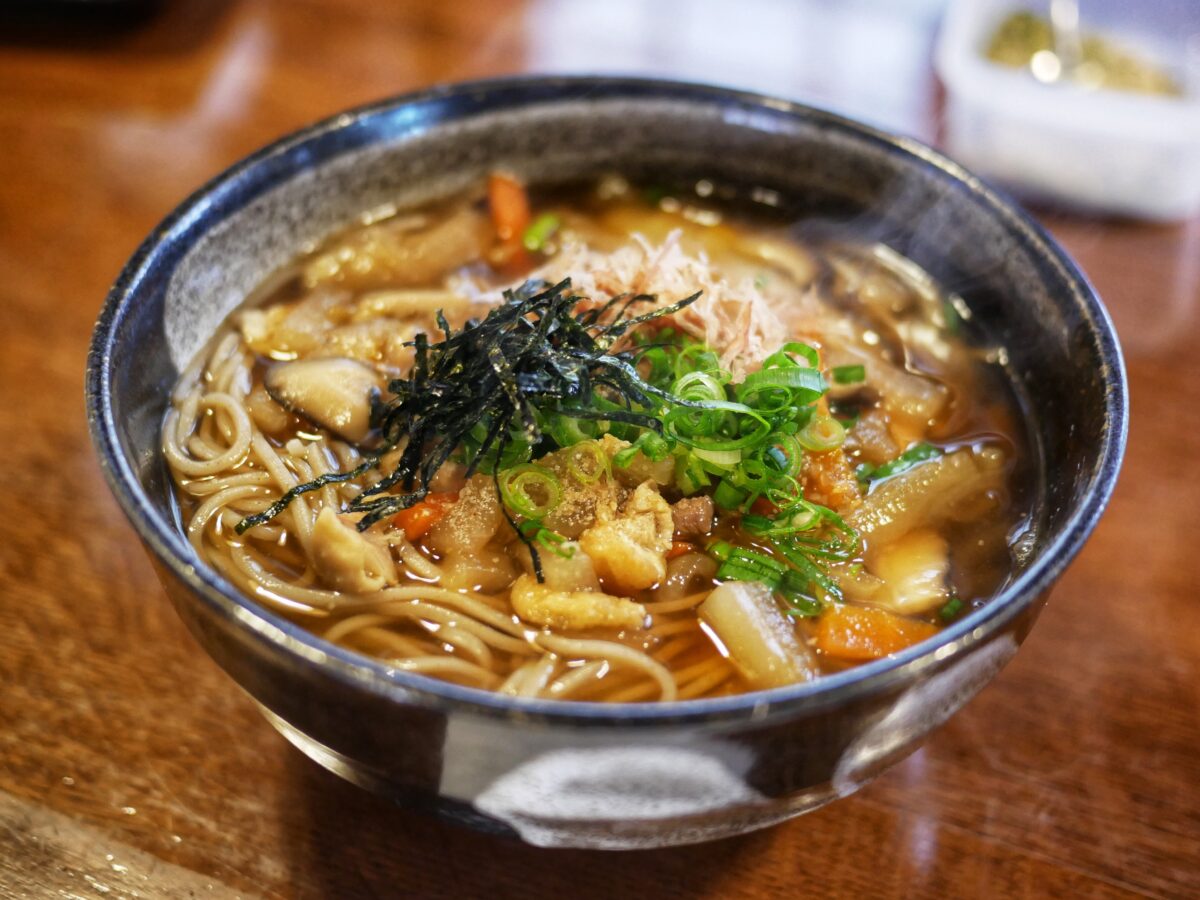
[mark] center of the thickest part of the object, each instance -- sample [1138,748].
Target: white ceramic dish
[1102,150]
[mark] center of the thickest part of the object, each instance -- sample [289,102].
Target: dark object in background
[135,28]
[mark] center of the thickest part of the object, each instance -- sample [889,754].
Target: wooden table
[131,766]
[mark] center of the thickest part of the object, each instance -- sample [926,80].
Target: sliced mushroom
[333,393]
[347,560]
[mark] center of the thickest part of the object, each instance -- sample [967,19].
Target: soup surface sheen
[603,443]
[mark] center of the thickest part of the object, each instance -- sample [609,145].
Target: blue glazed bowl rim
[420,111]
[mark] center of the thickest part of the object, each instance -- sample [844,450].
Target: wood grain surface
[131,767]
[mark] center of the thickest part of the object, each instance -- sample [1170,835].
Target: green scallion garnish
[868,474]
[849,374]
[952,608]
[793,584]
[540,231]
[534,532]
[587,462]
[821,434]
[530,490]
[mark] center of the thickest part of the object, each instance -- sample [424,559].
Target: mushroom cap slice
[333,393]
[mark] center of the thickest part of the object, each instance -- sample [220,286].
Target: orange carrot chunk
[859,632]
[509,205]
[764,507]
[678,548]
[416,521]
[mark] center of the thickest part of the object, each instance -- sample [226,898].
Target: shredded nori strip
[533,353]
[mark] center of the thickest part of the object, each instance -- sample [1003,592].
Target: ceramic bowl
[569,773]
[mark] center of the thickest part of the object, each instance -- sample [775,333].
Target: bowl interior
[1023,294]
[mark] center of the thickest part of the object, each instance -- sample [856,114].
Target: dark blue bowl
[577,774]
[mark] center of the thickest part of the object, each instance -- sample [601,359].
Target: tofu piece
[573,610]
[628,546]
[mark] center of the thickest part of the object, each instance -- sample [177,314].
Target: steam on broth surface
[601,443]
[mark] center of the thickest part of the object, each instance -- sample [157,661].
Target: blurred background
[1094,101]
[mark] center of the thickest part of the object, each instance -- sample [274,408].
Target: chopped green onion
[777,388]
[815,577]
[849,374]
[740,564]
[783,356]
[778,458]
[795,589]
[649,444]
[798,515]
[788,376]
[530,490]
[724,459]
[694,356]
[868,474]
[698,386]
[753,476]
[782,454]
[803,518]
[534,530]
[720,550]
[800,418]
[709,429]
[689,474]
[739,570]
[653,446]
[587,462]
[566,431]
[804,607]
[749,560]
[726,496]
[540,231]
[952,608]
[755,524]
[821,434]
[514,451]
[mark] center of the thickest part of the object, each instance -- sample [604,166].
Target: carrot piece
[509,205]
[678,548]
[420,517]
[860,632]
[764,507]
